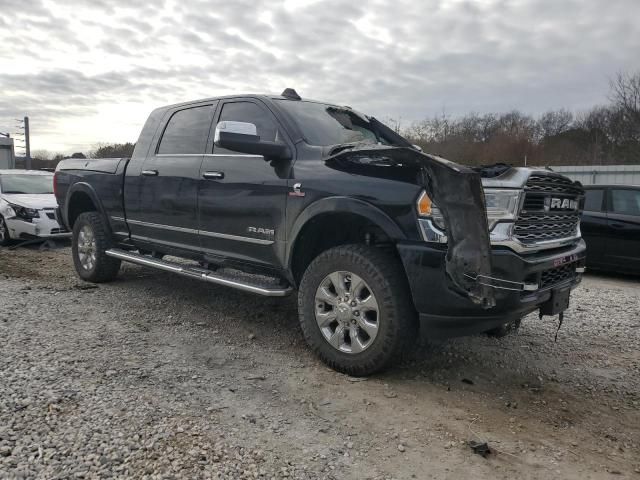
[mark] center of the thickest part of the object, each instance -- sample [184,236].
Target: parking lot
[156,376]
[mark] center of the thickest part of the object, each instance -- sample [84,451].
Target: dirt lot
[155,376]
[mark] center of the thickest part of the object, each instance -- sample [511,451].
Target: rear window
[593,200]
[26,184]
[187,131]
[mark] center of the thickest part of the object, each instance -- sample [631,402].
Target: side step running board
[198,273]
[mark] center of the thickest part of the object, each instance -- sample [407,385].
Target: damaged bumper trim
[502,284]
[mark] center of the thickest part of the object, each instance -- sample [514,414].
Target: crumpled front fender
[456,190]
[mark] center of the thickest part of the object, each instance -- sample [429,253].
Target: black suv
[611,227]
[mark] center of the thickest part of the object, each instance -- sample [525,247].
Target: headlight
[25,213]
[501,205]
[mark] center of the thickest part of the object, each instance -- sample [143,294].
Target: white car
[27,206]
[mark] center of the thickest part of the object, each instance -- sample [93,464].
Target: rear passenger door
[169,180]
[242,197]
[593,225]
[623,247]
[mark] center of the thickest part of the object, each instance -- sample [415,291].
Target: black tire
[397,323]
[504,329]
[5,237]
[105,268]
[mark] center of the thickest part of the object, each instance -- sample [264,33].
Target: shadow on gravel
[41,244]
[605,275]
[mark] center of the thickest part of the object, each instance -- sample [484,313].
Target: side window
[187,131]
[593,200]
[251,113]
[625,202]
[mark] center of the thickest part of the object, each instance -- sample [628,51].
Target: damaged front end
[458,193]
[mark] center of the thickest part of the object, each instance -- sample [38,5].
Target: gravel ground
[155,376]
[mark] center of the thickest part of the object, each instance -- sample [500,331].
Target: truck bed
[99,180]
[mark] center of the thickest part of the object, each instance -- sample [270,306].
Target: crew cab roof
[260,96]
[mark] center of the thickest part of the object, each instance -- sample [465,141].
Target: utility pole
[27,144]
[27,141]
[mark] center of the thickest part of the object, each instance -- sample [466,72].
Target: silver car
[27,206]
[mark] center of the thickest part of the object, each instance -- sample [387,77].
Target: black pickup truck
[378,238]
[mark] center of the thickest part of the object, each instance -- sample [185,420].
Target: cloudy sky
[89,71]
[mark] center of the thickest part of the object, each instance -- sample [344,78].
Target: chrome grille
[553,184]
[535,222]
[557,275]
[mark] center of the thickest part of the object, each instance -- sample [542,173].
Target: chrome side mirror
[239,128]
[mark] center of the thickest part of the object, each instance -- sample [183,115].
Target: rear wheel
[5,238]
[90,242]
[355,309]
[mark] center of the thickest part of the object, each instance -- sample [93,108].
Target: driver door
[241,197]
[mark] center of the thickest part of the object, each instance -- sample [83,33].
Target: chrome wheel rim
[347,312]
[87,247]
[2,230]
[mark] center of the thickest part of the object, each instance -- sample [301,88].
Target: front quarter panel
[322,189]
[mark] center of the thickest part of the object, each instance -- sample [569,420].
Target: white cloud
[88,72]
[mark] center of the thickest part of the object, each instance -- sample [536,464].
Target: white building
[602,174]
[7,156]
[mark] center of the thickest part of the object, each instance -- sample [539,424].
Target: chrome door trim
[163,227]
[226,236]
[258,241]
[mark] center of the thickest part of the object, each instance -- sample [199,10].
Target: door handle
[213,175]
[150,173]
[617,225]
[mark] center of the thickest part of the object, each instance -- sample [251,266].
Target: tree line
[44,159]
[605,135]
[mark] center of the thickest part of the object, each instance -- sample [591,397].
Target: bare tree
[41,155]
[115,150]
[554,122]
[625,92]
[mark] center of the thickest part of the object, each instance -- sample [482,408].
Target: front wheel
[91,240]
[355,309]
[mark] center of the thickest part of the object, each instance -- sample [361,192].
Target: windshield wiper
[341,147]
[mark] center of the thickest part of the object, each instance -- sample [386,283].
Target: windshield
[29,184]
[323,124]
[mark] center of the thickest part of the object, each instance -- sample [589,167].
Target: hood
[37,201]
[456,189]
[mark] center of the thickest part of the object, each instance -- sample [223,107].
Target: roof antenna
[291,94]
